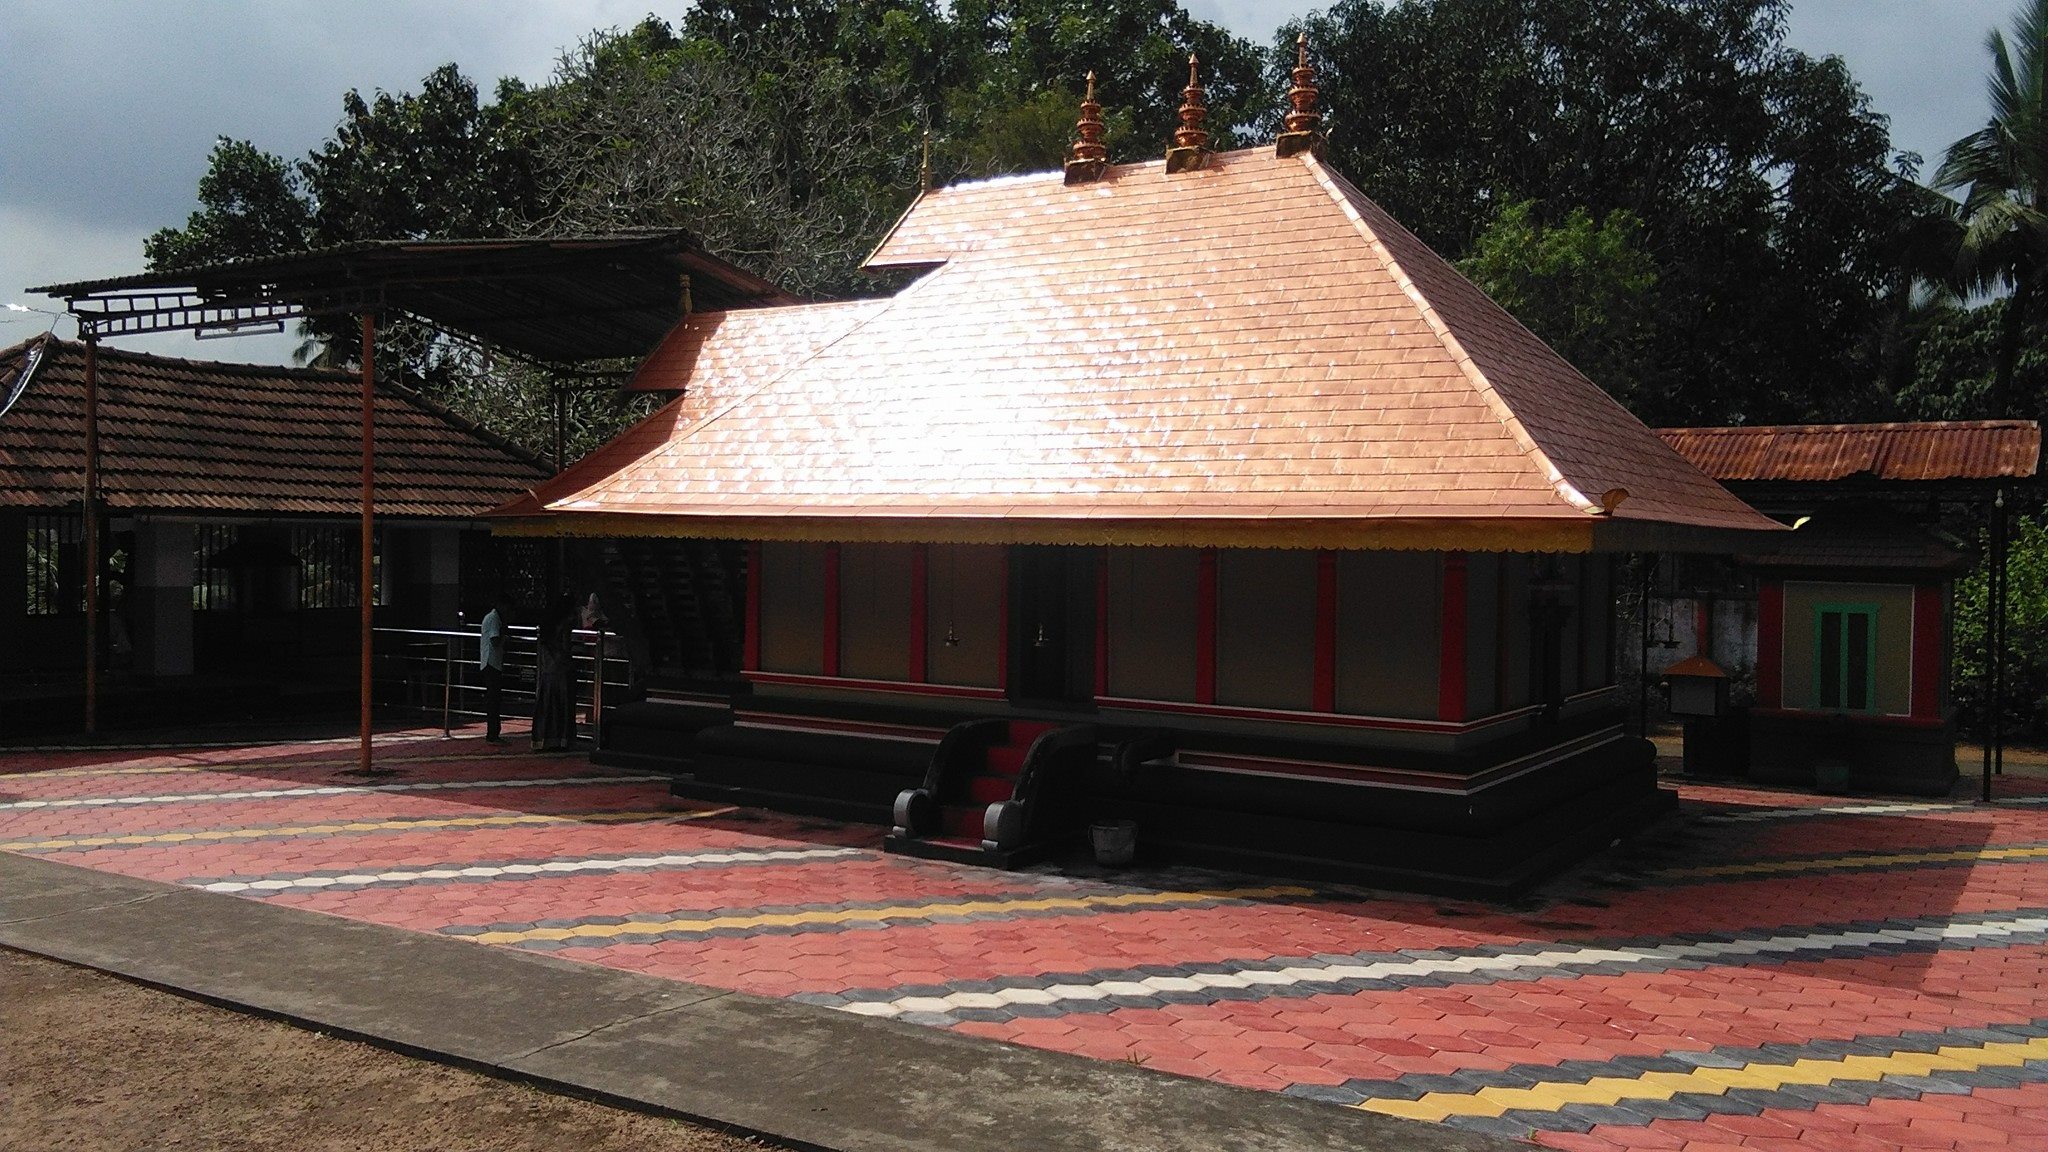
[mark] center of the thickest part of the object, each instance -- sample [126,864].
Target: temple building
[1199,493]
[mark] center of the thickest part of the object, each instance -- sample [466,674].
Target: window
[56,564]
[213,582]
[1845,656]
[329,565]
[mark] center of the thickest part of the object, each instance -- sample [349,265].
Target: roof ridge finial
[1190,148]
[1089,157]
[1299,134]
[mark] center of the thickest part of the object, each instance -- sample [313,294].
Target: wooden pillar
[367,594]
[752,643]
[1770,644]
[90,515]
[831,629]
[920,613]
[1205,629]
[1326,632]
[1451,642]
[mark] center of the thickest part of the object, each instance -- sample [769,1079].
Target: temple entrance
[1052,625]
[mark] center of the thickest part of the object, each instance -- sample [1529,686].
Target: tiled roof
[729,353]
[1250,342]
[1939,450]
[193,436]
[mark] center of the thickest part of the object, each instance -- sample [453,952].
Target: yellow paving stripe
[825,916]
[1862,860]
[1612,1090]
[206,835]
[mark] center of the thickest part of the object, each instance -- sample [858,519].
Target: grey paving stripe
[1880,808]
[549,867]
[1106,990]
[1637,1112]
[325,790]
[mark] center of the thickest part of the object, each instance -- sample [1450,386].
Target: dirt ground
[89,1063]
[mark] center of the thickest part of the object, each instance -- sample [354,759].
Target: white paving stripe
[1980,928]
[324,790]
[546,868]
[1893,809]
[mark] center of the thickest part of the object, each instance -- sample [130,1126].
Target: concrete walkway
[791,1072]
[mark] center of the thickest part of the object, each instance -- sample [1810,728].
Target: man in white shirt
[491,659]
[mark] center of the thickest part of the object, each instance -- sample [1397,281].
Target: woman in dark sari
[554,689]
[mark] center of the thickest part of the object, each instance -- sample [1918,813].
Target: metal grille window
[327,565]
[56,564]
[213,582]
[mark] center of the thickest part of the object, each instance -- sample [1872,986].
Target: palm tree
[2002,170]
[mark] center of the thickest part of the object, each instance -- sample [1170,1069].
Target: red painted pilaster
[1927,645]
[1102,622]
[1450,661]
[920,615]
[752,655]
[1205,629]
[1326,632]
[831,610]
[1770,644]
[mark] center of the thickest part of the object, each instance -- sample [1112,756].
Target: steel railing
[432,670]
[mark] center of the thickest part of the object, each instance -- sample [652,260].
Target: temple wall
[1389,619]
[964,614]
[1153,594]
[1892,675]
[874,610]
[793,608]
[1266,629]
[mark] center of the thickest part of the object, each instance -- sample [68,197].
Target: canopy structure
[555,300]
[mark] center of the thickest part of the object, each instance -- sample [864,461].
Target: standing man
[491,658]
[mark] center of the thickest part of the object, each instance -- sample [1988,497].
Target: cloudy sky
[108,109]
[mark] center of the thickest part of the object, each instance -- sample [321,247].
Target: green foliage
[250,204]
[1585,286]
[1761,175]
[2027,632]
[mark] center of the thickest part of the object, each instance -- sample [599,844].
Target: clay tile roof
[192,436]
[1253,343]
[1814,453]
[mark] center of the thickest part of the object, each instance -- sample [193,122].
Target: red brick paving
[1273,1043]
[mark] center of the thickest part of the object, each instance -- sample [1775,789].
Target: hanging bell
[952,637]
[1041,641]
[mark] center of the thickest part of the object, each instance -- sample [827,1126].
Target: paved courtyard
[1768,970]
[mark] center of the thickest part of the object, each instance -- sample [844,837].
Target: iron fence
[438,673]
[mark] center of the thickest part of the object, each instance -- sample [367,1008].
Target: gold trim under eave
[1369,534]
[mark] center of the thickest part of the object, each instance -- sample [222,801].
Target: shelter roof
[193,436]
[1946,450]
[1252,352]
[554,299]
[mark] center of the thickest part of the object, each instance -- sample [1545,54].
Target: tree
[2002,169]
[1762,177]
[250,204]
[1588,289]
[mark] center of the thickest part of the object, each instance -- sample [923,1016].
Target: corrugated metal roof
[1814,453]
[1253,342]
[193,436]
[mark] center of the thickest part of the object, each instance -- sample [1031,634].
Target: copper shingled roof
[1251,351]
[192,436]
[1941,450]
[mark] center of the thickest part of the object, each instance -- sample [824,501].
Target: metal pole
[90,508]
[1990,712]
[368,593]
[2003,546]
[447,682]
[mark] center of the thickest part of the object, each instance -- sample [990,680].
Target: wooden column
[1326,632]
[89,514]
[831,629]
[367,594]
[920,613]
[1451,644]
[752,643]
[1205,629]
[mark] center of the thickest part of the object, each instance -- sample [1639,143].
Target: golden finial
[1299,135]
[1089,156]
[1190,143]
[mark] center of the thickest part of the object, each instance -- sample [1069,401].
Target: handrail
[1008,823]
[454,654]
[915,812]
